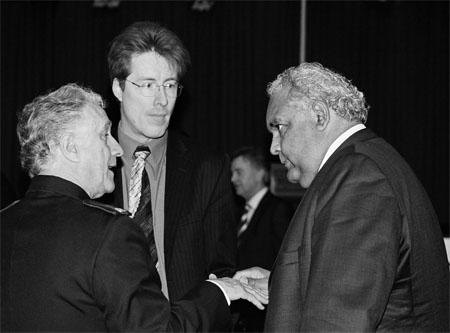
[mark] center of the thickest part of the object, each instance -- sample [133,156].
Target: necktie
[139,199]
[244,220]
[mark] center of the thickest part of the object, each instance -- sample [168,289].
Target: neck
[68,173]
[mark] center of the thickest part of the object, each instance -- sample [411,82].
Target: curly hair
[317,83]
[43,121]
[142,37]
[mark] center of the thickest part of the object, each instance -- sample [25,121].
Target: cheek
[136,106]
[291,142]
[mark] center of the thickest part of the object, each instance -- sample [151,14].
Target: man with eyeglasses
[72,264]
[190,227]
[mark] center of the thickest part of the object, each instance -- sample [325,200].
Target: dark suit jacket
[68,266]
[260,242]
[258,246]
[364,250]
[199,227]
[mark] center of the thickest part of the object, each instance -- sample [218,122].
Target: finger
[243,279]
[252,299]
[253,272]
[262,284]
[212,276]
[255,288]
[239,275]
[261,296]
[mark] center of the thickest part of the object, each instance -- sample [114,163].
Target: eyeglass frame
[179,88]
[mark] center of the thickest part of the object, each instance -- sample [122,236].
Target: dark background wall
[396,52]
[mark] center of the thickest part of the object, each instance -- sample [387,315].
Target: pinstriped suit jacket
[199,227]
[364,250]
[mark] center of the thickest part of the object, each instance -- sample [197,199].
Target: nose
[116,149]
[275,146]
[161,96]
[233,177]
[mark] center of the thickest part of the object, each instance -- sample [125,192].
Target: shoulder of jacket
[106,208]
[9,206]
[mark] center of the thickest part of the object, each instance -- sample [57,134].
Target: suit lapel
[178,168]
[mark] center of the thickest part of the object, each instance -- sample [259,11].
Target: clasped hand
[250,284]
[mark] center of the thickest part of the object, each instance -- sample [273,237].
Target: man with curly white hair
[72,264]
[364,250]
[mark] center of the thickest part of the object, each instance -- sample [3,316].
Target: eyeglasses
[151,88]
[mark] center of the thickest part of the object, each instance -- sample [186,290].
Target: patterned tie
[244,220]
[139,199]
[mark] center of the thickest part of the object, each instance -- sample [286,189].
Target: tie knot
[141,152]
[247,207]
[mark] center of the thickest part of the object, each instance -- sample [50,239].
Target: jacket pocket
[288,258]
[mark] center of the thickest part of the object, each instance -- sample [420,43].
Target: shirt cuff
[223,290]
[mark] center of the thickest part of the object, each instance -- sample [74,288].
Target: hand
[236,290]
[256,277]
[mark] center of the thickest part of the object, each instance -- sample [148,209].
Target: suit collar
[363,135]
[340,140]
[360,136]
[59,185]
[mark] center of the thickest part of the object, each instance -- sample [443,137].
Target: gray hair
[46,118]
[317,83]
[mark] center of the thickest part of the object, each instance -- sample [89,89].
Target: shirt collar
[339,141]
[254,201]
[157,146]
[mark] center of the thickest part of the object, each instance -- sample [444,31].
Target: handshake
[251,284]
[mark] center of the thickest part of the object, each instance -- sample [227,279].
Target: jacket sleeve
[128,290]
[354,248]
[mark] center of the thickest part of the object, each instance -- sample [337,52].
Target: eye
[170,85]
[149,85]
[281,128]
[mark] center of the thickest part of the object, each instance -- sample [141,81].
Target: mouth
[158,114]
[286,164]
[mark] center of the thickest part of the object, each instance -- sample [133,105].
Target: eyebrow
[154,79]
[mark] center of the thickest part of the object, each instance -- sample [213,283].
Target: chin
[293,176]
[109,189]
[156,132]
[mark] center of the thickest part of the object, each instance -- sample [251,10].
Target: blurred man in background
[262,225]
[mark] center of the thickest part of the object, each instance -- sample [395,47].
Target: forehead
[150,65]
[278,107]
[94,116]
[240,162]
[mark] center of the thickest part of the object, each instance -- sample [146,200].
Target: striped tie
[139,198]
[244,220]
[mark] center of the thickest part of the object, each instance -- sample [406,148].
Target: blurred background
[396,52]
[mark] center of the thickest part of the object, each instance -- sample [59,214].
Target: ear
[117,90]
[261,174]
[69,148]
[321,114]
